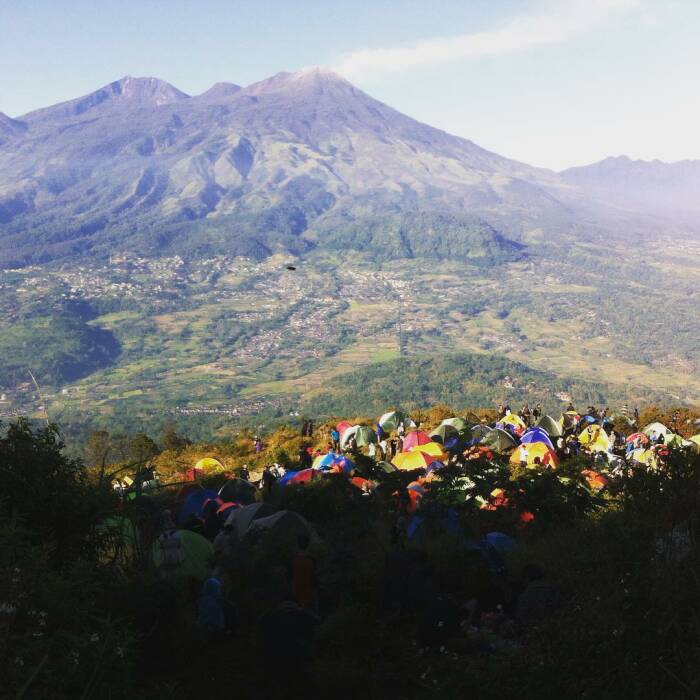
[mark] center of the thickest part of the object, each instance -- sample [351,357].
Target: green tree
[142,448]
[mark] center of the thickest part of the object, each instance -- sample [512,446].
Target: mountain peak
[128,90]
[151,90]
[314,77]
[219,90]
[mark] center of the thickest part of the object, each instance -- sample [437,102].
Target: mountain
[670,189]
[139,165]
[281,165]
[127,93]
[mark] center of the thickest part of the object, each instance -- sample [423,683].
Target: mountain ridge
[270,167]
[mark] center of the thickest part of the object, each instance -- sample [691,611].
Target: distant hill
[462,380]
[670,189]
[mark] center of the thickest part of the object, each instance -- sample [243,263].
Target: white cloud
[557,22]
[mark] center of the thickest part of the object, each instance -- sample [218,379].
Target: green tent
[391,420]
[550,426]
[182,554]
[457,423]
[480,431]
[363,436]
[443,433]
[499,440]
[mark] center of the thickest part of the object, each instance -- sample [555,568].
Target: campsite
[412,556]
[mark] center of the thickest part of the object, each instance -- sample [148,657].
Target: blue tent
[537,435]
[503,543]
[194,504]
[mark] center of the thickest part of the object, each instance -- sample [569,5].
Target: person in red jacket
[301,575]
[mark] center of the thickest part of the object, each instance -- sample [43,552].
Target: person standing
[301,575]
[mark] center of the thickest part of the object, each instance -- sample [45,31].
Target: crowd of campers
[211,543]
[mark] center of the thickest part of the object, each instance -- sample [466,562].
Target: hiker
[170,545]
[335,440]
[305,460]
[523,455]
[214,612]
[525,414]
[372,451]
[257,445]
[401,430]
[310,428]
[245,472]
[301,575]
[305,428]
[267,482]
[537,412]
[380,433]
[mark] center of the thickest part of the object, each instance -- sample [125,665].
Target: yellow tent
[513,419]
[644,456]
[594,439]
[208,464]
[413,460]
[433,449]
[531,451]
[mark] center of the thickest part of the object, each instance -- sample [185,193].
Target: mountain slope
[139,165]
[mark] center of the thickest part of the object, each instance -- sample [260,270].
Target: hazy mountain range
[296,161]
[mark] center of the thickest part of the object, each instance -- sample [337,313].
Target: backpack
[171,551]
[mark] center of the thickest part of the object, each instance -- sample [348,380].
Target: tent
[208,464]
[501,542]
[594,439]
[363,436]
[194,504]
[569,419]
[284,522]
[225,508]
[342,427]
[658,428]
[533,451]
[499,440]
[238,490]
[644,456]
[443,433]
[183,554]
[434,449]
[392,419]
[415,459]
[595,480]
[300,477]
[241,518]
[333,462]
[415,438]
[550,426]
[514,421]
[459,424]
[480,431]
[536,435]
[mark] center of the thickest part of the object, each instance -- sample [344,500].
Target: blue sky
[550,82]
